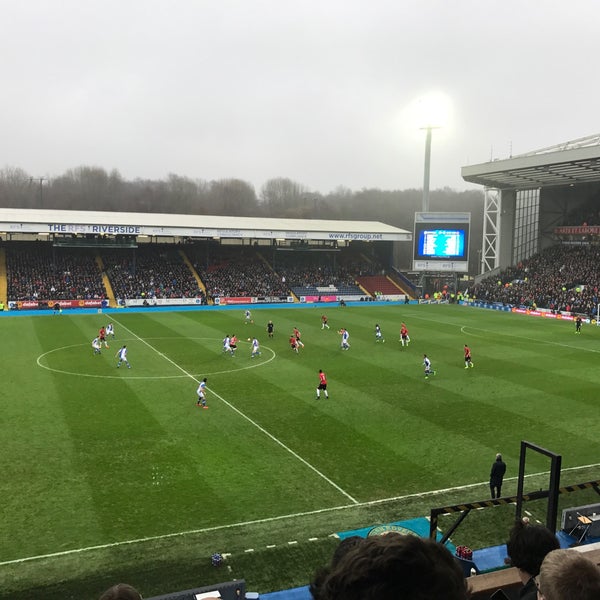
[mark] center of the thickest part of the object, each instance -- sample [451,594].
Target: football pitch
[104,468]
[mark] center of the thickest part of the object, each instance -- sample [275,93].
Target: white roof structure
[13,221]
[573,162]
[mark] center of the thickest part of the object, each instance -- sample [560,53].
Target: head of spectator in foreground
[393,567]
[527,546]
[121,591]
[568,575]
[342,549]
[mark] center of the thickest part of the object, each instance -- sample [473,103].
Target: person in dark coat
[527,547]
[497,475]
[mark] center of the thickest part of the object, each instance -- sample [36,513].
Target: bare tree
[283,197]
[16,189]
[232,197]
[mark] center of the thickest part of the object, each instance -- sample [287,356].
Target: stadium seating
[150,271]
[379,283]
[38,271]
[561,278]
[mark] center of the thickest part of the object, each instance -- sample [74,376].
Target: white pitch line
[247,418]
[145,377]
[522,337]
[272,519]
[463,329]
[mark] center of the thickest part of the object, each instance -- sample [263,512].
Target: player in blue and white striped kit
[122,354]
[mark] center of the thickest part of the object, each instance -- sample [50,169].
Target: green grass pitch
[110,473]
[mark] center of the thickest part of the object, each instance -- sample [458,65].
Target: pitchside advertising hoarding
[441,242]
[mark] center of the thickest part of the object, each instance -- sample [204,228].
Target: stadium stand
[586,214]
[40,272]
[379,284]
[150,271]
[316,273]
[234,271]
[562,278]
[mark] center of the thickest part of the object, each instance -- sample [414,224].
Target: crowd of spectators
[239,272]
[149,272]
[321,269]
[563,278]
[37,271]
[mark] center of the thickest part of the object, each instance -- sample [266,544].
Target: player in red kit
[294,343]
[404,337]
[324,323]
[322,385]
[468,362]
[102,337]
[298,335]
[233,344]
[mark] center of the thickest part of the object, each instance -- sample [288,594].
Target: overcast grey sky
[321,91]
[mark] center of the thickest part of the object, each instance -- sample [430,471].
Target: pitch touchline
[244,416]
[272,519]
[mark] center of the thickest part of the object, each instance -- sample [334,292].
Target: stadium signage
[545,313]
[322,298]
[199,232]
[370,237]
[94,229]
[46,304]
[162,301]
[578,230]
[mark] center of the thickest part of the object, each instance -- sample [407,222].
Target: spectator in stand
[568,575]
[121,591]
[342,549]
[392,567]
[527,547]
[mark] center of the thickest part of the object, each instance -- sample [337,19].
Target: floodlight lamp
[432,110]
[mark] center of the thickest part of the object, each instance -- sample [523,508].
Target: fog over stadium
[322,92]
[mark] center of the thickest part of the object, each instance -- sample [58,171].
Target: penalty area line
[271,519]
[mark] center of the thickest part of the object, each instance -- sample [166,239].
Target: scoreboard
[441,241]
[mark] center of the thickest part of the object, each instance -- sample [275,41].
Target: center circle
[73,349]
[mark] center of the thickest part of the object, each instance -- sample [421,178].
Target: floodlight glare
[432,110]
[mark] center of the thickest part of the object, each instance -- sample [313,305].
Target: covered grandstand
[534,199]
[94,259]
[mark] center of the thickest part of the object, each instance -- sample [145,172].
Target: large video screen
[441,241]
[445,243]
